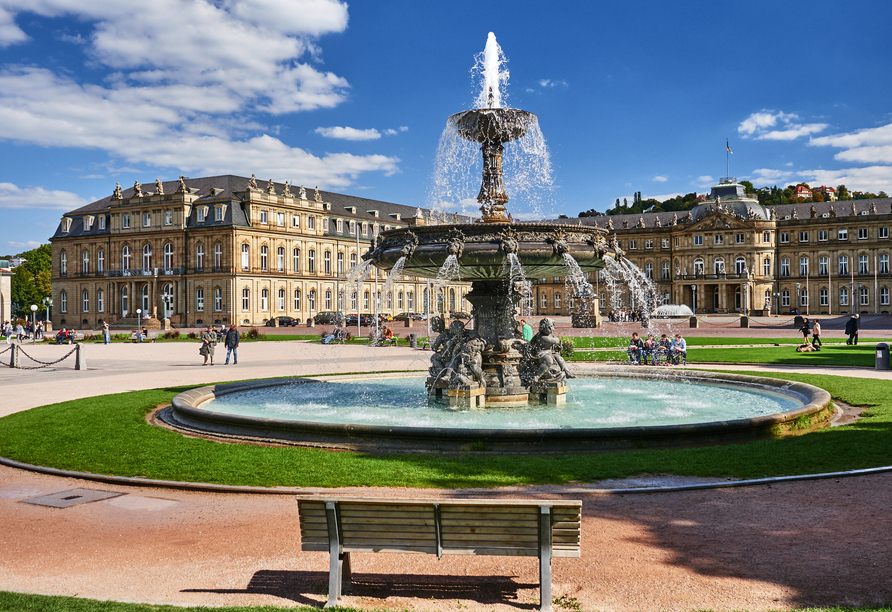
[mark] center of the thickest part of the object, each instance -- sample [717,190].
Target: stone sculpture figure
[609,223]
[873,208]
[441,347]
[317,196]
[658,223]
[543,357]
[674,219]
[159,188]
[832,211]
[271,187]
[467,365]
[640,222]
[181,187]
[625,224]
[303,193]
[795,213]
[252,183]
[854,210]
[287,191]
[773,215]
[813,212]
[119,193]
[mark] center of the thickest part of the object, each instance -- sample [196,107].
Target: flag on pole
[727,146]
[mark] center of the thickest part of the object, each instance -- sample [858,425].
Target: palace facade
[729,254]
[224,250]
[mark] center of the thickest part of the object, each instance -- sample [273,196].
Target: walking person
[208,341]
[526,330]
[816,333]
[106,335]
[805,329]
[852,330]
[231,344]
[20,332]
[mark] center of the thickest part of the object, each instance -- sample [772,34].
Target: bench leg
[336,562]
[545,559]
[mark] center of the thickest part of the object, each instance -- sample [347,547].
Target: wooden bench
[509,527]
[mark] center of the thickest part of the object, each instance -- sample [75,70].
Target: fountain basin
[450,431]
[492,125]
[482,249]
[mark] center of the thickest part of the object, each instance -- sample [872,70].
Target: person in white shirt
[679,350]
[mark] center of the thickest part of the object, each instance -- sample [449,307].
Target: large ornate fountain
[491,363]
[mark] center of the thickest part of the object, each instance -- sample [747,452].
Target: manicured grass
[830,355]
[585,342]
[109,435]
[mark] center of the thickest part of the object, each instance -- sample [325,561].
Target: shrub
[253,334]
[192,336]
[171,335]
[567,349]
[91,338]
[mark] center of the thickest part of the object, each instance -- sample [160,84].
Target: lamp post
[694,299]
[33,323]
[48,303]
[776,303]
[852,293]
[798,298]
[858,303]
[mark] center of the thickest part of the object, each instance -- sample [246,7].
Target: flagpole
[727,159]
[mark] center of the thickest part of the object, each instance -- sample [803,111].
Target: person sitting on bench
[679,350]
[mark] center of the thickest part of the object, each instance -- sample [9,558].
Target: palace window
[843,296]
[264,299]
[264,216]
[365,300]
[297,300]
[281,299]
[85,263]
[199,300]
[785,298]
[100,261]
[649,270]
[843,265]
[766,237]
[665,270]
[648,243]
[311,261]
[823,266]
[147,257]
[199,256]
[218,213]
[125,221]
[543,301]
[146,219]
[246,299]
[85,296]
[766,266]
[63,301]
[365,228]
[340,263]
[803,236]
[311,223]
[884,263]
[803,266]
[352,260]
[884,296]
[842,234]
[280,259]
[326,263]
[718,265]
[410,300]
[328,299]
[295,260]
[218,299]
[803,297]
[633,244]
[102,222]
[264,258]
[862,233]
[340,226]
[557,301]
[168,256]
[823,235]
[882,232]
[353,228]
[295,221]
[865,296]
[399,300]
[740,266]
[739,238]
[280,219]
[698,266]
[698,240]
[824,297]
[718,239]
[168,217]
[664,243]
[199,214]
[218,255]
[785,267]
[862,265]
[126,259]
[324,224]
[311,299]
[100,301]
[785,237]
[246,259]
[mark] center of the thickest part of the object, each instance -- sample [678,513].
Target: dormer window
[66,225]
[264,217]
[219,212]
[215,191]
[350,209]
[102,222]
[396,216]
[340,225]
[200,213]
[324,224]
[374,213]
[88,222]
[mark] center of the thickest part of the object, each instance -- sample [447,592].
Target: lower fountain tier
[481,249]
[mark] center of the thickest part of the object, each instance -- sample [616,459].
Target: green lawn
[585,342]
[109,435]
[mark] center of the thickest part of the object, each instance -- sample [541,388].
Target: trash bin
[413,343]
[311,322]
[882,360]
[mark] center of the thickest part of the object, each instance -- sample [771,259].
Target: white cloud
[348,133]
[15,197]
[769,175]
[661,179]
[705,181]
[392,132]
[24,246]
[185,83]
[789,128]
[868,146]
[549,83]
[662,197]
[871,178]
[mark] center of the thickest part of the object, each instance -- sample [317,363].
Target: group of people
[21,332]
[209,339]
[624,316]
[665,350]
[813,329]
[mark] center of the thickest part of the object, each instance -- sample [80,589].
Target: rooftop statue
[137,190]
[873,208]
[287,191]
[303,193]
[609,223]
[181,188]
[854,210]
[252,183]
[159,188]
[640,222]
[119,193]
[832,211]
[317,196]
[271,187]
[813,212]
[674,219]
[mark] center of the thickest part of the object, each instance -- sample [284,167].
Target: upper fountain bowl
[481,249]
[493,125]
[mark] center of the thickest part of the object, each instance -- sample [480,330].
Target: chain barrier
[44,364]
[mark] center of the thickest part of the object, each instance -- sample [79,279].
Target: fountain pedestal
[467,396]
[548,393]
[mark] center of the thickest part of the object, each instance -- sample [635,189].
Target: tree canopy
[31,281]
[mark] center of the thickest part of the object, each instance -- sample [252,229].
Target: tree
[748,186]
[842,193]
[31,281]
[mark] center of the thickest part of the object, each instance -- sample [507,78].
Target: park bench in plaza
[501,527]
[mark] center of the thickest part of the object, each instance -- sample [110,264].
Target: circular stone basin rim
[186,410]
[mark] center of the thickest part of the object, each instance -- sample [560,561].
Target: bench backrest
[442,527]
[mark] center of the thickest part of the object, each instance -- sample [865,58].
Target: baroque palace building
[224,250]
[730,254]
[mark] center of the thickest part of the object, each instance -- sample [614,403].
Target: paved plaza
[791,544]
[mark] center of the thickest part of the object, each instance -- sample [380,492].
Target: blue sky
[631,96]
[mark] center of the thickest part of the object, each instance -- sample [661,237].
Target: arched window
[100,301]
[399,301]
[218,256]
[63,301]
[740,266]
[167,300]
[85,263]
[124,304]
[264,258]
[452,299]
[85,306]
[295,260]
[353,301]
[246,258]
[280,259]
[352,260]
[145,300]
[410,301]
[63,264]
[246,299]
[100,262]
[199,256]
[328,299]
[297,300]
[199,300]
[218,299]
[365,301]
[326,259]
[389,301]
[557,301]
[311,299]
[168,256]
[147,257]
[126,258]
[264,299]
[311,261]
[698,266]
[282,293]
